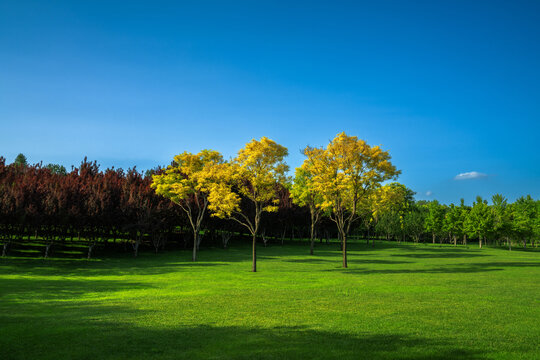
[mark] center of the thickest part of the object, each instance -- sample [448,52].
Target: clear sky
[448,88]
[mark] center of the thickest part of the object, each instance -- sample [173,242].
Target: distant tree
[389,224]
[434,219]
[389,203]
[464,214]
[21,160]
[524,218]
[502,226]
[304,194]
[187,183]
[453,223]
[479,223]
[413,222]
[255,175]
[56,169]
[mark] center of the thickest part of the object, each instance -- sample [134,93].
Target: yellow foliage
[190,175]
[255,174]
[348,171]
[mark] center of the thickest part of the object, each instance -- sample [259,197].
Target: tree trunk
[136,248]
[509,243]
[254,254]
[433,234]
[90,248]
[524,243]
[47,249]
[195,246]
[312,237]
[344,246]
[4,249]
[480,242]
[455,240]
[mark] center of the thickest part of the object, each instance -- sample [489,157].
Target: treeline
[46,204]
[47,207]
[499,224]
[340,191]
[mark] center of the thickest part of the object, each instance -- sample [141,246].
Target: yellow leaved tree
[385,199]
[187,183]
[346,173]
[253,176]
[303,191]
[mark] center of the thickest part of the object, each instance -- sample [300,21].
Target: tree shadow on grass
[441,255]
[464,268]
[44,290]
[89,337]
[350,260]
[146,265]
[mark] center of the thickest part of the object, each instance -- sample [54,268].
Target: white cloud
[429,193]
[469,175]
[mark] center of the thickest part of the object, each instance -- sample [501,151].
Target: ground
[393,302]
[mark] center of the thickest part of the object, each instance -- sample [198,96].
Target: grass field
[393,302]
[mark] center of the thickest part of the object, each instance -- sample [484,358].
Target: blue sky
[448,88]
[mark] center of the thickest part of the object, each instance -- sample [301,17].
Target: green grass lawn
[393,302]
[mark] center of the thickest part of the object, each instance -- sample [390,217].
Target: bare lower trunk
[90,248]
[433,237]
[524,243]
[312,238]
[225,237]
[5,249]
[195,246]
[480,242]
[265,239]
[509,244]
[344,246]
[254,254]
[135,246]
[455,240]
[465,240]
[47,250]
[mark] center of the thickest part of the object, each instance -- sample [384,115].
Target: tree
[56,169]
[254,176]
[414,222]
[434,219]
[501,218]
[453,223]
[187,182]
[303,194]
[388,204]
[21,160]
[346,173]
[479,223]
[463,214]
[524,218]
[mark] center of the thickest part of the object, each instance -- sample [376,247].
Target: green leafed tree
[479,222]
[502,225]
[433,222]
[524,218]
[21,160]
[56,169]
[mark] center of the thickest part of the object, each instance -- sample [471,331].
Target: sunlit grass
[394,301]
